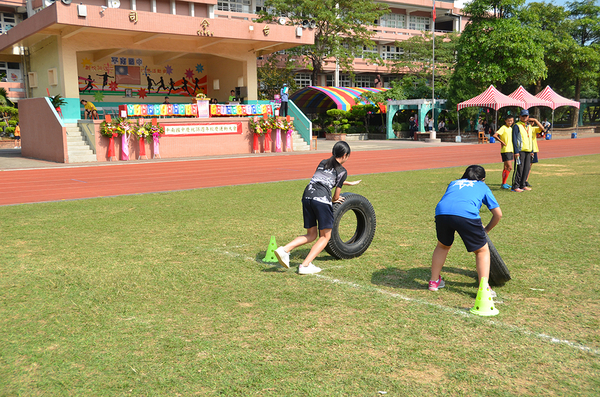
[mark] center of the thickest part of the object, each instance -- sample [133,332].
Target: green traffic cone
[484,304]
[270,255]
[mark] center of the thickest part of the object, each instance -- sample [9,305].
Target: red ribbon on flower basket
[142,142]
[268,140]
[255,143]
[142,147]
[111,146]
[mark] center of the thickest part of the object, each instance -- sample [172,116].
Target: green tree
[4,101]
[276,70]
[416,64]
[496,48]
[342,28]
[584,17]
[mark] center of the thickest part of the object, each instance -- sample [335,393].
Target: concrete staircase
[78,149]
[299,144]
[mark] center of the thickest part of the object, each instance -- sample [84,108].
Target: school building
[137,52]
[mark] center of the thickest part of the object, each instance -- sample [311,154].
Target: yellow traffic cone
[270,255]
[484,304]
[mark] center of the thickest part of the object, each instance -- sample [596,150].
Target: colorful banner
[240,110]
[179,109]
[203,129]
[191,110]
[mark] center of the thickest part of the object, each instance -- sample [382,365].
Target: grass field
[166,295]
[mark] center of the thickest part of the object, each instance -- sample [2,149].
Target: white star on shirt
[464,183]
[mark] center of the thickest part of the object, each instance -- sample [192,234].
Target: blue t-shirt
[464,197]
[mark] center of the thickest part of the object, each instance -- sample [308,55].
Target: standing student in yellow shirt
[504,136]
[523,144]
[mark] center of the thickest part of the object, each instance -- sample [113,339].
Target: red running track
[55,184]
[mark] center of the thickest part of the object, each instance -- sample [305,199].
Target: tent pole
[496,123]
[458,122]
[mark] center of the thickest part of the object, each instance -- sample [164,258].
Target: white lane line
[464,313]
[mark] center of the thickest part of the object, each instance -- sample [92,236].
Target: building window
[391,52]
[393,21]
[11,72]
[234,5]
[367,51]
[303,80]
[364,81]
[7,21]
[419,23]
[344,80]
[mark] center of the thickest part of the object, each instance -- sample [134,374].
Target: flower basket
[141,132]
[288,126]
[111,131]
[257,127]
[156,130]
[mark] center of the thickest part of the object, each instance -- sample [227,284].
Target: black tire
[365,227]
[499,273]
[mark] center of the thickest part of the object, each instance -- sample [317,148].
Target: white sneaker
[310,269]
[283,257]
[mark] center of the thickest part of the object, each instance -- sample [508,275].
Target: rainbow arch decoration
[319,99]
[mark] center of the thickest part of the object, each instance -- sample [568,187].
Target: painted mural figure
[161,84]
[172,85]
[150,82]
[196,88]
[184,85]
[105,77]
[89,85]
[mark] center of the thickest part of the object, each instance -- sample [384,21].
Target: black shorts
[314,211]
[535,158]
[508,156]
[470,230]
[18,138]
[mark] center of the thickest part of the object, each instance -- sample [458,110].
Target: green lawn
[166,295]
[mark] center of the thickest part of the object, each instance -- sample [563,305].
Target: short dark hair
[474,173]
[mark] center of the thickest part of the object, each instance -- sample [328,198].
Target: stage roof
[318,99]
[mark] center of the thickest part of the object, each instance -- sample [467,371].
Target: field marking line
[548,338]
[463,313]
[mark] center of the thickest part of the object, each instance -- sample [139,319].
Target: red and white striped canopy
[530,100]
[557,101]
[491,98]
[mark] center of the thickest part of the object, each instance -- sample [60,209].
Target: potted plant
[57,101]
[338,125]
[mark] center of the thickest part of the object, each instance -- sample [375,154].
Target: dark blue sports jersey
[319,187]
